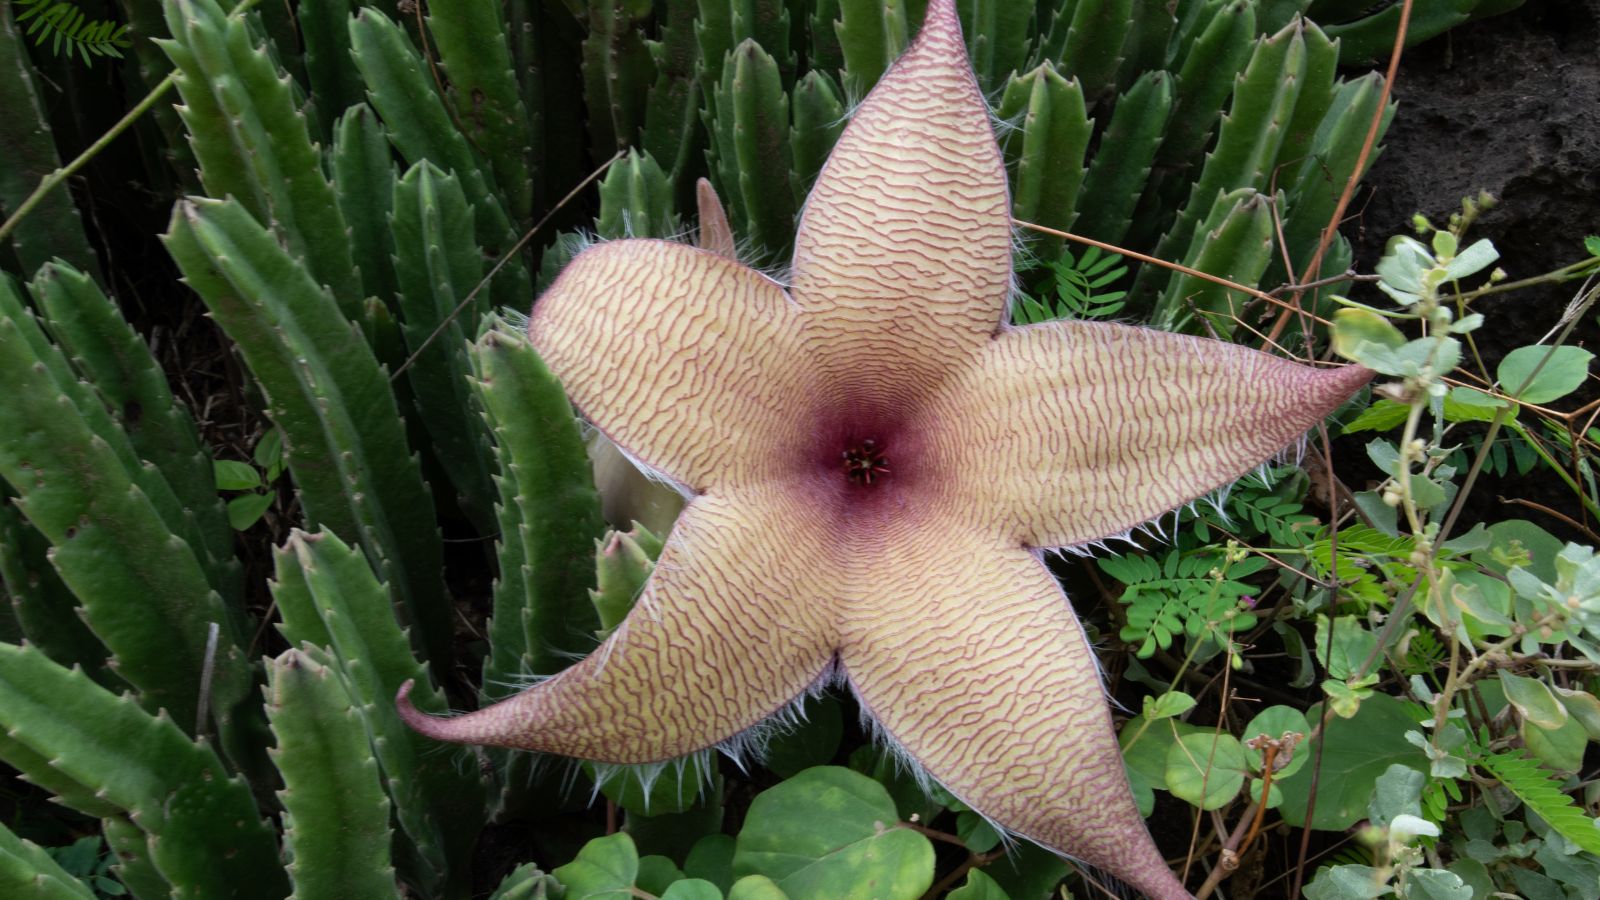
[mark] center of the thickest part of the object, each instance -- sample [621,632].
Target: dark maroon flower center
[864,462]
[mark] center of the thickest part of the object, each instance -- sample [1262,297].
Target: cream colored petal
[732,625]
[1070,432]
[903,255]
[688,360]
[970,657]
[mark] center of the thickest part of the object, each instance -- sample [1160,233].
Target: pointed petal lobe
[974,663]
[729,628]
[903,254]
[684,358]
[716,236]
[1070,432]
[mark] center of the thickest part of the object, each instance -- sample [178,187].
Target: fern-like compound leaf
[66,24]
[1532,785]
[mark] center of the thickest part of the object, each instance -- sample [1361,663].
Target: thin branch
[504,260]
[1314,267]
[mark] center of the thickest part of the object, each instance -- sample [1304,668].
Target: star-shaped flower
[877,461]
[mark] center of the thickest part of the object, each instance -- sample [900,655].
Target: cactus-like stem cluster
[363,180]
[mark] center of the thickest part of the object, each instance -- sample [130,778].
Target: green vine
[68,27]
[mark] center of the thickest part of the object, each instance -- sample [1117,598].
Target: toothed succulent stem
[114,526]
[438,265]
[343,438]
[336,817]
[471,41]
[329,597]
[1044,149]
[253,142]
[636,200]
[751,160]
[1121,165]
[206,837]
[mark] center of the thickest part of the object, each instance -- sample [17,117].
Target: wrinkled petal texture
[686,359]
[903,256]
[970,657]
[1070,432]
[728,630]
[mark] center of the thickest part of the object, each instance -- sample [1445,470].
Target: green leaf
[1559,748]
[246,510]
[1206,769]
[1380,416]
[756,887]
[1560,375]
[1464,404]
[605,869]
[692,889]
[711,859]
[1168,705]
[1533,700]
[1356,751]
[1479,256]
[1583,707]
[656,874]
[978,887]
[1436,884]
[831,832]
[1398,793]
[1275,722]
[1354,329]
[1592,244]
[976,832]
[1346,883]
[1351,646]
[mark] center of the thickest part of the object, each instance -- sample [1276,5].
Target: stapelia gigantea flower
[877,460]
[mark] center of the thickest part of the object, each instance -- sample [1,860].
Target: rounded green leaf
[1357,332]
[692,889]
[711,859]
[756,887]
[1206,769]
[1559,375]
[1355,753]
[978,887]
[831,832]
[1275,722]
[604,870]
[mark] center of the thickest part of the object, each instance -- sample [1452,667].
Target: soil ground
[1510,105]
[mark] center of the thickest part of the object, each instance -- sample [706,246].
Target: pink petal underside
[724,635]
[688,360]
[971,658]
[903,255]
[1070,432]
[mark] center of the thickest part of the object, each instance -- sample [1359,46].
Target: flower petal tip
[1335,386]
[419,721]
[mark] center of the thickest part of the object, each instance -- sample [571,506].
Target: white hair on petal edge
[647,774]
[908,764]
[751,744]
[654,474]
[514,320]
